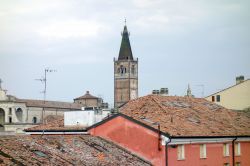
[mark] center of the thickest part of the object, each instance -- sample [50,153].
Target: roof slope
[125,52]
[63,150]
[55,123]
[86,96]
[49,104]
[228,88]
[186,116]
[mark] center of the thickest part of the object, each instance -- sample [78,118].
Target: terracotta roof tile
[53,122]
[186,116]
[63,150]
[86,96]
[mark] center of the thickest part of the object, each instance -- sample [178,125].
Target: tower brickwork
[125,73]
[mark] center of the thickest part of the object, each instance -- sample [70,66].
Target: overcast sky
[178,42]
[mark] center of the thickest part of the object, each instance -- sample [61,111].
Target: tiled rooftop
[187,116]
[54,122]
[86,96]
[63,150]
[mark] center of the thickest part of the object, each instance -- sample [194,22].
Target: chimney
[155,92]
[239,79]
[164,91]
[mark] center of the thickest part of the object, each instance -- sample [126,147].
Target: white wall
[84,118]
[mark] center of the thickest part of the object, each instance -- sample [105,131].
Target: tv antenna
[44,80]
[202,89]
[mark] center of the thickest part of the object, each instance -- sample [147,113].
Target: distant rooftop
[86,96]
[55,123]
[49,104]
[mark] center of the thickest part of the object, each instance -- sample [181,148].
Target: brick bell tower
[125,73]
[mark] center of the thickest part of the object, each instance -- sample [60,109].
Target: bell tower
[125,73]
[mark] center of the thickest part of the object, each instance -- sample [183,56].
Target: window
[19,114]
[225,149]
[181,152]
[218,98]
[237,148]
[10,119]
[133,69]
[34,120]
[212,98]
[10,111]
[237,164]
[122,70]
[226,164]
[203,151]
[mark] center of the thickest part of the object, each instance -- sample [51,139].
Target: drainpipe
[233,155]
[166,150]
[159,137]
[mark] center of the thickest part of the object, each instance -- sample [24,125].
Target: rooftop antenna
[125,21]
[44,80]
[203,89]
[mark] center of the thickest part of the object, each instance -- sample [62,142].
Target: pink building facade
[161,149]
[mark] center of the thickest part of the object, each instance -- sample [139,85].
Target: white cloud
[155,21]
[31,7]
[78,60]
[70,29]
[145,3]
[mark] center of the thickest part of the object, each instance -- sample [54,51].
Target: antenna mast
[44,80]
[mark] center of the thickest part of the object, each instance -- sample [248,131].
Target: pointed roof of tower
[125,49]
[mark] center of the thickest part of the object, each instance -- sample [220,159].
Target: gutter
[189,137]
[58,133]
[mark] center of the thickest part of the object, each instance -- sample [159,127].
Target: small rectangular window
[226,164]
[181,152]
[237,164]
[203,151]
[225,149]
[10,111]
[218,98]
[10,119]
[237,149]
[212,98]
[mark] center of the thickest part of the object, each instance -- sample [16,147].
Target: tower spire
[125,52]
[189,92]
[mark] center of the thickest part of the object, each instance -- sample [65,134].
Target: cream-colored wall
[6,105]
[37,112]
[236,97]
[3,95]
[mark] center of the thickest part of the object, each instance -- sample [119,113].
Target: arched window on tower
[121,69]
[133,69]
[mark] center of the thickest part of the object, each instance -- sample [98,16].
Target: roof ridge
[228,87]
